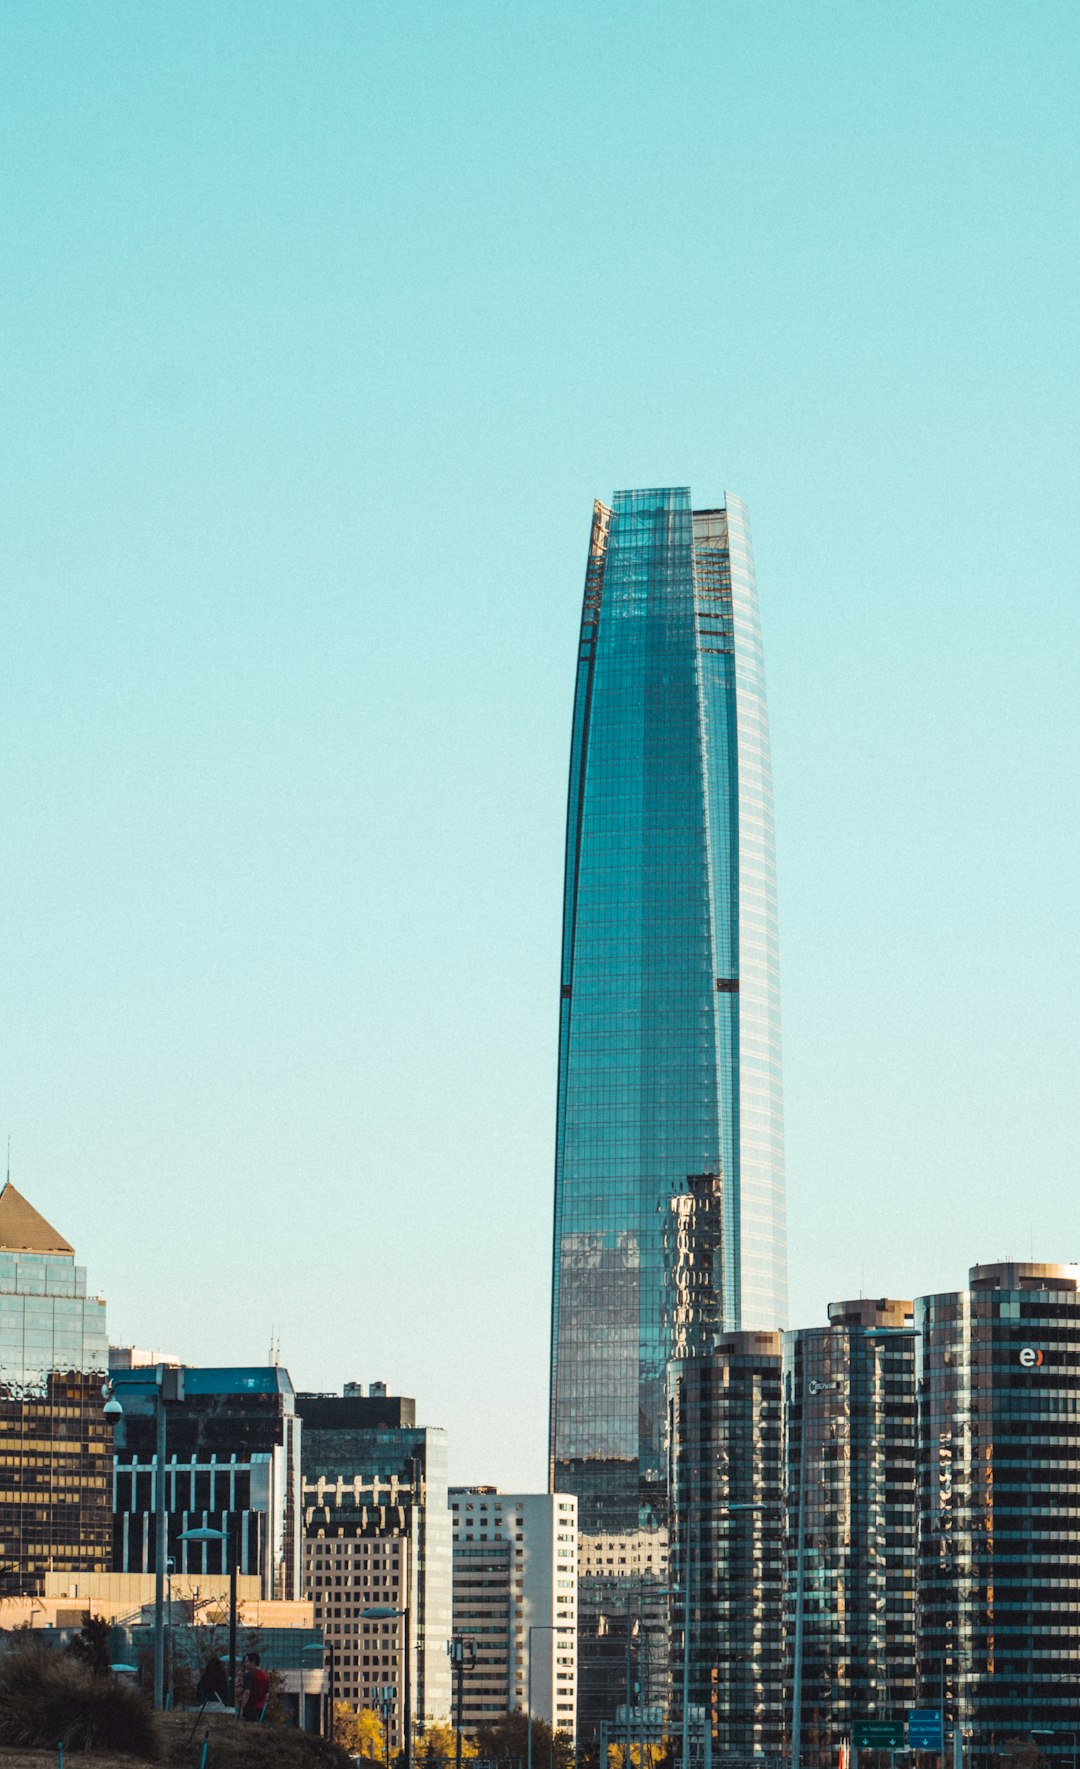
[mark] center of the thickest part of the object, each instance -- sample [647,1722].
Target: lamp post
[326,1649]
[542,1628]
[380,1612]
[169,1565]
[462,1654]
[231,1536]
[168,1386]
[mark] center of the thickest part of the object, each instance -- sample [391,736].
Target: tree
[654,1754]
[359,1733]
[1021,1753]
[91,1644]
[438,1744]
[509,1737]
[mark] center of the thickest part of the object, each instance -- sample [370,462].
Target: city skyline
[316,335]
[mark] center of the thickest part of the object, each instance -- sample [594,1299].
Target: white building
[515,1595]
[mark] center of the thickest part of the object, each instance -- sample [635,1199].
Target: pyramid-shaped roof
[24,1230]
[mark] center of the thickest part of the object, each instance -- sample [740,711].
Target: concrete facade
[516,1569]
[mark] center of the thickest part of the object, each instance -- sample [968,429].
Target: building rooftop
[356,1412]
[24,1230]
[870,1311]
[230,1381]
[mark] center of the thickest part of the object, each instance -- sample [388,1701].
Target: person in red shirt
[256,1688]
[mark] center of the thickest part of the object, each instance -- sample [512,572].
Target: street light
[544,1628]
[384,1612]
[168,1386]
[325,1647]
[230,1536]
[460,1649]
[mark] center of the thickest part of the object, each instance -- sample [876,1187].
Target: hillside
[232,1746]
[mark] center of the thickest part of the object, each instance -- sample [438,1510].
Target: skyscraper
[669,1043]
[727,1495]
[998,1500]
[850,1483]
[55,1442]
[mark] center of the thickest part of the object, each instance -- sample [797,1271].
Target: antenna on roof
[9,1157]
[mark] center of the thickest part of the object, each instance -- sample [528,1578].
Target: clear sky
[321,326]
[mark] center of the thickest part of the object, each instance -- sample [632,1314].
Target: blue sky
[320,329]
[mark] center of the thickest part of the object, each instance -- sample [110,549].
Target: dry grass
[232,1746]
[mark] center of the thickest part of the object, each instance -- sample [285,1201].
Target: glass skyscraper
[999,1508]
[669,1044]
[55,1441]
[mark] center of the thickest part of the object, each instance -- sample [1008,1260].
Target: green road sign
[878,1735]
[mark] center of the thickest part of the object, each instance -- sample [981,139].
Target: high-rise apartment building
[999,1507]
[727,1488]
[669,1042]
[55,1443]
[515,1598]
[850,1480]
[232,1463]
[377,1537]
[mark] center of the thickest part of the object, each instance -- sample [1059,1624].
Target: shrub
[48,1697]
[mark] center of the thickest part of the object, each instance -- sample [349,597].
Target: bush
[47,1698]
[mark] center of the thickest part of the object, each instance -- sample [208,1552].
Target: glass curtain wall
[669,1050]
[55,1442]
[999,1507]
[850,1416]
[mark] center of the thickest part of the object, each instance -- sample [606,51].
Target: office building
[515,1597]
[999,1507]
[55,1443]
[727,1488]
[850,1479]
[232,1463]
[669,1041]
[377,1536]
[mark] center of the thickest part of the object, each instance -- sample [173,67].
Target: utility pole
[168,1386]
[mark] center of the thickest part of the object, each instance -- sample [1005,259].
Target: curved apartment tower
[670,1095]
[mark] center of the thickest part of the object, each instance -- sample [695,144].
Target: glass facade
[669,1041]
[55,1442]
[850,1469]
[727,1487]
[232,1463]
[999,1507]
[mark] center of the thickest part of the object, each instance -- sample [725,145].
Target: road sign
[924,1729]
[878,1735]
